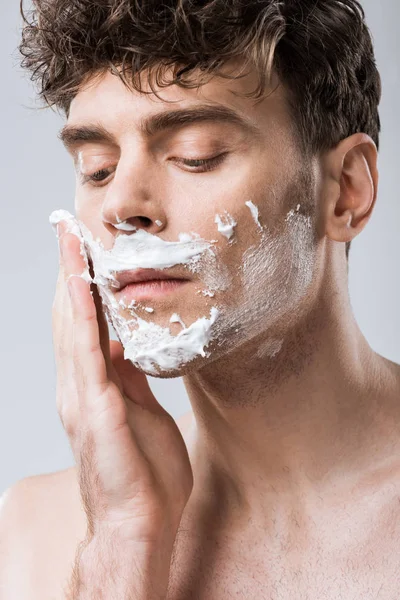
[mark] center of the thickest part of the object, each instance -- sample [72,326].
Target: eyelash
[208,163]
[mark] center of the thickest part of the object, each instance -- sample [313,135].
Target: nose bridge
[134,193]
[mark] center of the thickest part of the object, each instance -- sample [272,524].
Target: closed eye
[203,164]
[196,165]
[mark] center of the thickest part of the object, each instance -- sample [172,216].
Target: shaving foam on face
[277,273]
[225,224]
[206,293]
[147,345]
[153,348]
[72,227]
[175,318]
[124,226]
[272,280]
[254,213]
[292,214]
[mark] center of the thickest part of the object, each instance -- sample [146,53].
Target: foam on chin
[146,344]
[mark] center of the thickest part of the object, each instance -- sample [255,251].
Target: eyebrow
[74,135]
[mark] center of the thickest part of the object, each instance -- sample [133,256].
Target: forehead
[106,100]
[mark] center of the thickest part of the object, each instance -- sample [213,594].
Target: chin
[172,373]
[186,368]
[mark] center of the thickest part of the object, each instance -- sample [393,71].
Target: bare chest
[311,578]
[345,557]
[274,571]
[366,567]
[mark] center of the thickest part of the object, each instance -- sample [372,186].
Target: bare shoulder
[40,527]
[42,521]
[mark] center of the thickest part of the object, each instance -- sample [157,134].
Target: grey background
[37,177]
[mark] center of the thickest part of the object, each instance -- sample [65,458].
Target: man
[287,483]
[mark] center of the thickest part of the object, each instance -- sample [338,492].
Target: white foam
[225,224]
[146,344]
[254,213]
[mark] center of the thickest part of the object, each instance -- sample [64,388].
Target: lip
[138,275]
[148,290]
[146,284]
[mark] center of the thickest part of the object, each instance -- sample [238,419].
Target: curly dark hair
[321,50]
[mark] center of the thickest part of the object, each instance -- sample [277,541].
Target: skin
[285,449]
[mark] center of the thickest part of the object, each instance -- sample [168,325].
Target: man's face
[178,178]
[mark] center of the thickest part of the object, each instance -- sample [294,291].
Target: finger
[75,264]
[71,257]
[87,353]
[61,322]
[103,325]
[88,358]
[62,312]
[67,405]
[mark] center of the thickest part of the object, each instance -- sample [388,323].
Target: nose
[132,199]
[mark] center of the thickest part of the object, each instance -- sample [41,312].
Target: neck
[289,427]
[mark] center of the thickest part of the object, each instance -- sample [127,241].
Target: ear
[353,166]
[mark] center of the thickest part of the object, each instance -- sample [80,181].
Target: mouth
[147,284]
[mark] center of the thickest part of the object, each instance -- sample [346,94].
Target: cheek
[93,222]
[190,216]
[85,211]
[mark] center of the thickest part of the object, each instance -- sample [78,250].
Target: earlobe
[357,176]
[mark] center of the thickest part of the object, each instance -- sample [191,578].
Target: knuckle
[67,408]
[68,419]
[90,317]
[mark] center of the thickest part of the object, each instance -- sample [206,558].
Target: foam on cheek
[148,345]
[272,285]
[254,213]
[225,224]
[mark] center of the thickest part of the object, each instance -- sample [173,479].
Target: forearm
[108,569]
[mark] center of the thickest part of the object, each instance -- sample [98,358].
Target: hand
[134,470]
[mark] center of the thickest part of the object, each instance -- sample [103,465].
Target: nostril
[145,221]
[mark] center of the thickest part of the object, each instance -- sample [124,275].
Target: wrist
[108,566]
